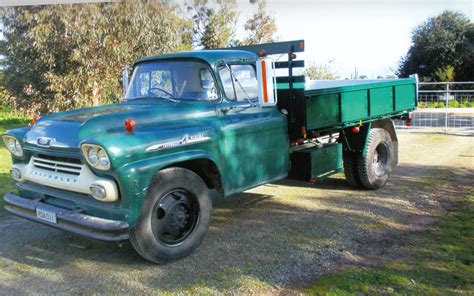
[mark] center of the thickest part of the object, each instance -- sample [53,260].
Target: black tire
[351,170]
[174,218]
[375,167]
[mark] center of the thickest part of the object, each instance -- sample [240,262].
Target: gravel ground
[275,238]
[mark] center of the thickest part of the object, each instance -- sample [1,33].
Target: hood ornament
[45,142]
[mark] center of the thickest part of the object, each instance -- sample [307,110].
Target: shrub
[422,104]
[454,104]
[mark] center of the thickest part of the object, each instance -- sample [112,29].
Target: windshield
[174,80]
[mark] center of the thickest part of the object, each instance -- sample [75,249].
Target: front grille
[71,166]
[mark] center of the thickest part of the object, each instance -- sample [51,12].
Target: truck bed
[341,103]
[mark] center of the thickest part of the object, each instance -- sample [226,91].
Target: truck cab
[194,126]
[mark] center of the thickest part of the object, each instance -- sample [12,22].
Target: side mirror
[206,78]
[267,95]
[125,79]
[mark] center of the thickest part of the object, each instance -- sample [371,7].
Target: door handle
[224,110]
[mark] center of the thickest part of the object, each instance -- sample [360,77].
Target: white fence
[444,107]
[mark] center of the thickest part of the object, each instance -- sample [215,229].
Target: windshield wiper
[238,83]
[153,97]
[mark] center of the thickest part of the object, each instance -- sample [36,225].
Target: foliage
[59,57]
[2,88]
[7,121]
[442,264]
[261,26]
[214,22]
[454,104]
[444,41]
[445,74]
[323,71]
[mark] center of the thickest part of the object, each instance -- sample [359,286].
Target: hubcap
[380,161]
[175,217]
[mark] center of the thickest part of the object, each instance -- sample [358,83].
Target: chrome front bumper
[69,220]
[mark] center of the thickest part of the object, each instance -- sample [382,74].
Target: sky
[370,35]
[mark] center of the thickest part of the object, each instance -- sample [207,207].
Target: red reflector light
[355,129]
[35,118]
[130,125]
[303,131]
[312,180]
[408,122]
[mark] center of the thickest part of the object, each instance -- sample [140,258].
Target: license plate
[46,215]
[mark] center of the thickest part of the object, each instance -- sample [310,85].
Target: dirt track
[276,237]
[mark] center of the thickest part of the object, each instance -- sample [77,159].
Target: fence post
[446,109]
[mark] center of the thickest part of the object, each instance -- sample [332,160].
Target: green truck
[195,126]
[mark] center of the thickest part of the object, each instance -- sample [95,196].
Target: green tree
[323,71]
[261,26]
[445,74]
[59,57]
[214,22]
[441,41]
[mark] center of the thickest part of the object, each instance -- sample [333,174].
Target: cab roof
[210,56]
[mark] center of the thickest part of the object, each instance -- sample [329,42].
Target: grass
[441,263]
[7,121]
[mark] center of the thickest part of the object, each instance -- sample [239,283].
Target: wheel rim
[380,160]
[175,217]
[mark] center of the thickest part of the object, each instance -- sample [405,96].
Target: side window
[243,79]
[227,83]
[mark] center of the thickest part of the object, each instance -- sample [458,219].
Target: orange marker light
[264,81]
[262,53]
[303,131]
[35,118]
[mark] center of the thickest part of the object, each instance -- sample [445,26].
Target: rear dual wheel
[351,169]
[175,216]
[372,169]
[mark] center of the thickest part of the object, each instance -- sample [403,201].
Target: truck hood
[69,129]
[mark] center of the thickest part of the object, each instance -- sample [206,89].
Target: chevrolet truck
[195,126]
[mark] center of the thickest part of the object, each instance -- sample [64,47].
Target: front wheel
[375,166]
[174,218]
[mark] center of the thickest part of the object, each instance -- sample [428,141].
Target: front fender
[135,177]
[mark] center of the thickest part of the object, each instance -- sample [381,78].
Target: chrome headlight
[13,145]
[96,156]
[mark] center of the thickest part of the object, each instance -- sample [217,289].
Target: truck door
[254,140]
